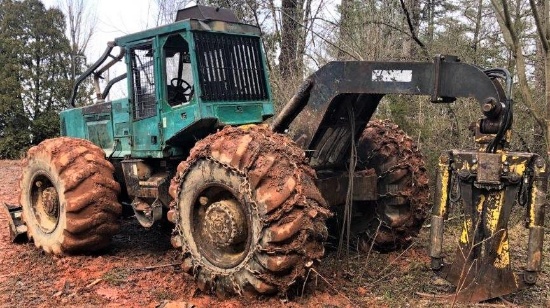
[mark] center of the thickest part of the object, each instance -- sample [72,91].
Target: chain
[454,193]
[245,188]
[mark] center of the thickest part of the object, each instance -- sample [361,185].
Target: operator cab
[184,81]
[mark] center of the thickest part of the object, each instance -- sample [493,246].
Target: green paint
[154,121]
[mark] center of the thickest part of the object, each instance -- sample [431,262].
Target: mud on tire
[69,197]
[403,203]
[249,215]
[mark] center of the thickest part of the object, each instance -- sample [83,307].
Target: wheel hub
[45,203]
[50,200]
[225,223]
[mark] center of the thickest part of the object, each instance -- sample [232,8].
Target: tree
[290,35]
[81,23]
[167,10]
[36,68]
[542,24]
[513,25]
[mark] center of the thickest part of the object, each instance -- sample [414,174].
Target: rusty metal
[18,229]
[535,222]
[50,201]
[147,214]
[440,211]
[148,190]
[143,183]
[320,121]
[202,12]
[488,168]
[335,188]
[225,223]
[489,187]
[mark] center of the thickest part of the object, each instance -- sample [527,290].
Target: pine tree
[34,75]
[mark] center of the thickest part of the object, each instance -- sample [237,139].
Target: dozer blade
[18,229]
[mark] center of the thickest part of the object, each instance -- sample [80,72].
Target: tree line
[42,50]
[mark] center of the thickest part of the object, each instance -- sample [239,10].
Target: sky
[115,18]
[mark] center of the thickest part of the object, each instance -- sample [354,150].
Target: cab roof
[196,18]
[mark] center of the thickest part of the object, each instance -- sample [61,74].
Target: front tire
[68,196]
[250,217]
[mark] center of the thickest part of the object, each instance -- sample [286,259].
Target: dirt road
[141,269]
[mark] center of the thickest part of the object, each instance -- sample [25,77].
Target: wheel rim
[44,202]
[220,228]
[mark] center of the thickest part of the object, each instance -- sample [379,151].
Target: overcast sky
[115,18]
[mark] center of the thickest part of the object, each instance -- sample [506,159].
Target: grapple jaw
[18,229]
[479,279]
[488,185]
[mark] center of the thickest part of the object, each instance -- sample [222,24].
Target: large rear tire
[68,196]
[403,204]
[249,214]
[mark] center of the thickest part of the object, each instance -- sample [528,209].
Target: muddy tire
[403,204]
[249,215]
[69,197]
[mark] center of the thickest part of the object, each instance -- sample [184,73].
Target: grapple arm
[319,110]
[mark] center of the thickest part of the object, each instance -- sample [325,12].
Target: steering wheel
[182,89]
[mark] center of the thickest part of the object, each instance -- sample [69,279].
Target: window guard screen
[144,82]
[230,67]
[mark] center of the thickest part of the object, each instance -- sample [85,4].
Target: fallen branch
[93,283]
[146,268]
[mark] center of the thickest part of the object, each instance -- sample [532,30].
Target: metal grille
[230,67]
[144,82]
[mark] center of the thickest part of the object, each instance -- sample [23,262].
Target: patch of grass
[162,294]
[116,276]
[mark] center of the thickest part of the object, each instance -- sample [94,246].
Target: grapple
[488,183]
[490,180]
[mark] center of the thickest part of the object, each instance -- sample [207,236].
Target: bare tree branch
[412,30]
[540,28]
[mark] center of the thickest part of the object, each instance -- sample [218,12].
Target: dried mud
[279,183]
[88,190]
[403,184]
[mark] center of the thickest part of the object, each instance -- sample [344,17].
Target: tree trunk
[512,38]
[542,23]
[288,64]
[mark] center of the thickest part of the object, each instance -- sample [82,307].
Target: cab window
[179,75]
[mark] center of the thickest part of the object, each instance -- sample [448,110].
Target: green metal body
[170,131]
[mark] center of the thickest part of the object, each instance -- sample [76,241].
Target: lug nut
[203,200]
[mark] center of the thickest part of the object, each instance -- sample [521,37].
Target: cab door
[143,65]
